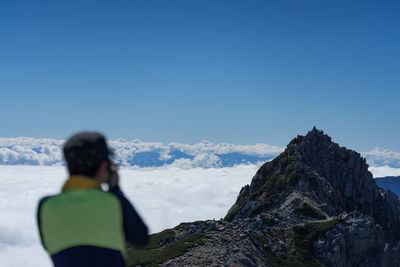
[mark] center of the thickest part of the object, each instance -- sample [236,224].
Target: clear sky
[240,72]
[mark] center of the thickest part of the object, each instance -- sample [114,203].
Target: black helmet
[84,152]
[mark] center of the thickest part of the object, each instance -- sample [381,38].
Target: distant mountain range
[47,151]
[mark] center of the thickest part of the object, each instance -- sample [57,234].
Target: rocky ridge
[316,204]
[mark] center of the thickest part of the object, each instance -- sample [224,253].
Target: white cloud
[30,151]
[164,197]
[382,157]
[384,171]
[22,186]
[223,148]
[200,161]
[48,152]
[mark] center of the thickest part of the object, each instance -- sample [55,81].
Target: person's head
[86,153]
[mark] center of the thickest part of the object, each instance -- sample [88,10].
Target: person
[85,225]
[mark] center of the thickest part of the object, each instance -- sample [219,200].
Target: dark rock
[316,203]
[246,262]
[335,181]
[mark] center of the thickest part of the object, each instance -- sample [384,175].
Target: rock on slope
[316,204]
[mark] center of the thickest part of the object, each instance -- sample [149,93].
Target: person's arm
[135,230]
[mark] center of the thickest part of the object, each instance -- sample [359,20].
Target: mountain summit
[316,204]
[318,171]
[316,179]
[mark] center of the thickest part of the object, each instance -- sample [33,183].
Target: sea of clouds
[168,184]
[164,196]
[48,152]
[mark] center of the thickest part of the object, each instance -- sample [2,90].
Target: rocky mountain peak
[316,204]
[316,168]
[313,137]
[315,179]
[344,169]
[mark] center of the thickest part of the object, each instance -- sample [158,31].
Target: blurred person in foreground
[85,225]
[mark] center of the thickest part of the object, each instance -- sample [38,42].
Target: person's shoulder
[44,200]
[108,201]
[112,198]
[103,196]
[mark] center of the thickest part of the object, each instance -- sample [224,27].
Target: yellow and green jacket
[86,226]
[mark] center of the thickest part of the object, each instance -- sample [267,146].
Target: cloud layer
[382,157]
[164,196]
[48,152]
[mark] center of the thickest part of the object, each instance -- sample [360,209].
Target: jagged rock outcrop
[334,182]
[316,204]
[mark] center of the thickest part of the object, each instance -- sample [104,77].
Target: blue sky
[240,72]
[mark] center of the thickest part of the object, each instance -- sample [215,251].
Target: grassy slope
[162,247]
